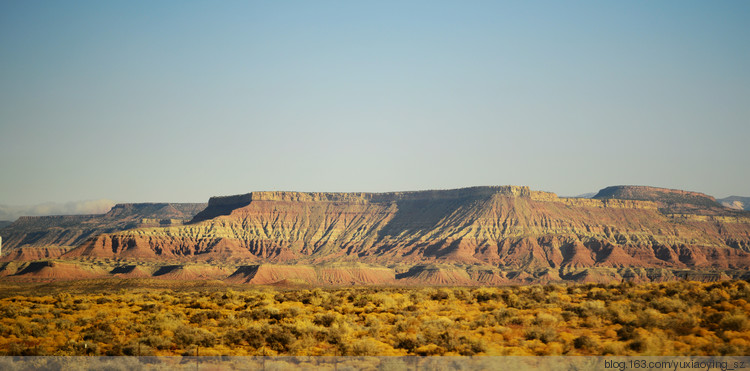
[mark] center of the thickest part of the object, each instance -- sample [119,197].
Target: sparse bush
[279,339]
[543,334]
[585,342]
[734,322]
[325,319]
[185,336]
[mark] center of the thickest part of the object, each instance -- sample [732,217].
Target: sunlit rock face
[71,230]
[508,227]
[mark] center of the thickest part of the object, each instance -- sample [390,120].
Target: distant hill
[12,213]
[586,195]
[670,201]
[72,230]
[736,202]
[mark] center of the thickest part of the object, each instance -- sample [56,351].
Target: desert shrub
[364,347]
[591,308]
[164,321]
[407,341]
[254,336]
[418,296]
[83,348]
[10,311]
[290,312]
[511,300]
[264,313]
[202,303]
[505,315]
[647,343]
[471,346]
[137,349]
[373,325]
[98,335]
[330,302]
[545,320]
[484,294]
[649,318]
[619,312]
[338,334]
[103,300]
[483,320]
[537,294]
[568,315]
[203,316]
[325,319]
[734,322]
[669,305]
[312,299]
[585,342]
[731,350]
[279,338]
[437,324]
[151,308]
[231,321]
[682,324]
[429,350]
[38,331]
[186,335]
[543,334]
[463,295]
[613,348]
[626,332]
[440,294]
[198,318]
[599,294]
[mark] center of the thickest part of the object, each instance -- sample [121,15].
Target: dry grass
[161,318]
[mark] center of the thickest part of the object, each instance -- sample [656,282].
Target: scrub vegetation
[675,318]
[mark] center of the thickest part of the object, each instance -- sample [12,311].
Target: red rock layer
[508,227]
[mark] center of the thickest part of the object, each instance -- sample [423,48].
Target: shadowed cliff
[72,230]
[509,227]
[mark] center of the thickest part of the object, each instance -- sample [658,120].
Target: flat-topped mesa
[290,196]
[52,220]
[652,194]
[669,201]
[585,202]
[72,230]
[224,205]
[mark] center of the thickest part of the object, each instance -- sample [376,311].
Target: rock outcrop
[72,230]
[507,227]
[670,201]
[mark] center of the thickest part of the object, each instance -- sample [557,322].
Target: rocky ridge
[72,230]
[507,227]
[669,201]
[478,235]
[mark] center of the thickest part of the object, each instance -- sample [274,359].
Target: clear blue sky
[179,100]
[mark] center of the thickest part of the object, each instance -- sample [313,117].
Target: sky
[178,101]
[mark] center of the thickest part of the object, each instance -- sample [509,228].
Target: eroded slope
[510,227]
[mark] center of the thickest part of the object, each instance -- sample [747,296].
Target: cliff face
[510,227]
[670,201]
[72,230]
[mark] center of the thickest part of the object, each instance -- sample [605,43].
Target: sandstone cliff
[506,227]
[670,201]
[72,230]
